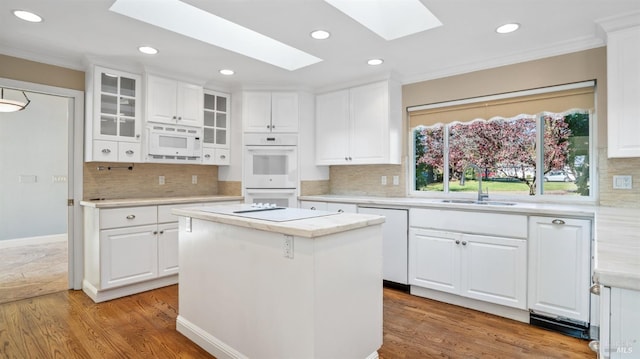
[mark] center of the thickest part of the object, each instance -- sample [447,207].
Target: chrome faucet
[481,195]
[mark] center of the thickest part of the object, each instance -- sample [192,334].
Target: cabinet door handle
[464,243]
[129,152]
[595,289]
[268,126]
[457,241]
[223,157]
[349,158]
[346,158]
[179,118]
[106,150]
[174,117]
[313,208]
[340,211]
[207,156]
[155,232]
[138,136]
[131,216]
[557,221]
[161,232]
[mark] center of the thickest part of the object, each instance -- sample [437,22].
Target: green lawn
[472,186]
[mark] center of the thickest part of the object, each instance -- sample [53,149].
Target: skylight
[390,19]
[214,30]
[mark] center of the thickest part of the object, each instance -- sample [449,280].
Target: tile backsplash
[609,167]
[142,181]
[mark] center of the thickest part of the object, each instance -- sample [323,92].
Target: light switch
[160,179]
[383,180]
[194,179]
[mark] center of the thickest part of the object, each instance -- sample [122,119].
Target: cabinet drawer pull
[131,216]
[313,208]
[595,289]
[346,158]
[457,241]
[106,150]
[340,211]
[222,157]
[557,221]
[207,156]
[129,152]
[464,243]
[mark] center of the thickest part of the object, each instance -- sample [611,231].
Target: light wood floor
[32,270]
[69,325]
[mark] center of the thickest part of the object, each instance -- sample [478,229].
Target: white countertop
[131,202]
[617,254]
[309,228]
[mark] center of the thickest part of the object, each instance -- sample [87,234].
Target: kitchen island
[282,288]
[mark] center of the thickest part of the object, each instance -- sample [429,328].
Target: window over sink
[530,143]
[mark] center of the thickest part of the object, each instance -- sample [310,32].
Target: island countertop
[308,228]
[132,202]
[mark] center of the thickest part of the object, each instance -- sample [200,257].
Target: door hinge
[70,202]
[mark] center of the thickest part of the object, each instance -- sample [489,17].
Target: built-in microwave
[270,161]
[174,141]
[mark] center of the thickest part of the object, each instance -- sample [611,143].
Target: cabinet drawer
[129,152]
[126,217]
[106,151]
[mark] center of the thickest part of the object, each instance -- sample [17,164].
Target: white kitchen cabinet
[216,129]
[394,243]
[168,249]
[313,205]
[113,116]
[487,268]
[360,125]
[623,92]
[270,112]
[619,323]
[173,102]
[342,207]
[560,267]
[128,255]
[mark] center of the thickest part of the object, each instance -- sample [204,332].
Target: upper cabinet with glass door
[216,128]
[113,116]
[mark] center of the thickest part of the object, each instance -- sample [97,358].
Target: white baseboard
[52,238]
[206,341]
[113,293]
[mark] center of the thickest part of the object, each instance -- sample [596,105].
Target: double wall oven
[271,169]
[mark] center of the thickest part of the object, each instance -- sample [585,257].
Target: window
[532,144]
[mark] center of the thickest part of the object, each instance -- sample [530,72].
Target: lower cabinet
[329,206]
[486,268]
[131,249]
[619,323]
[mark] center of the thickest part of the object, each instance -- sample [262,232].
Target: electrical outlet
[194,179]
[396,180]
[383,180]
[288,246]
[622,182]
[160,179]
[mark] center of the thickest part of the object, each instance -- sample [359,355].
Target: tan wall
[569,68]
[35,72]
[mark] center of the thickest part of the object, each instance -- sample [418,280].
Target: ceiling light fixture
[27,16]
[7,105]
[148,50]
[389,19]
[227,72]
[375,62]
[507,28]
[320,34]
[188,20]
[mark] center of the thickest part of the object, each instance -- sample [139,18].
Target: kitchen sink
[469,201]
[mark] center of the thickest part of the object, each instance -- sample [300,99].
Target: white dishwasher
[394,244]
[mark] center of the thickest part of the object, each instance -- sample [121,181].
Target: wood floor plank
[69,325]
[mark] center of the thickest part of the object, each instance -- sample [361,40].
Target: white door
[256,111]
[168,248]
[332,128]
[190,104]
[284,112]
[161,103]
[394,243]
[369,117]
[42,172]
[128,255]
[494,269]
[560,267]
[434,260]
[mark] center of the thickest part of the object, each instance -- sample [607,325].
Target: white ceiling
[77,31]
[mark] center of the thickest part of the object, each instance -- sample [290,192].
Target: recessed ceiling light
[320,34]
[507,28]
[27,16]
[190,21]
[227,72]
[375,62]
[148,50]
[389,19]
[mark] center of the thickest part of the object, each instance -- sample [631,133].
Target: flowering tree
[504,146]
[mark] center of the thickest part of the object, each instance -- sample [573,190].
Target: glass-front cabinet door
[216,119]
[117,105]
